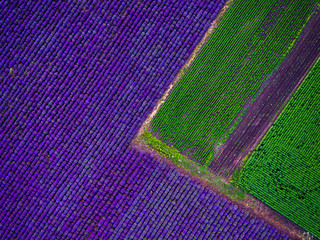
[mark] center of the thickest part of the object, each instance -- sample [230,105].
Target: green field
[284,171]
[249,43]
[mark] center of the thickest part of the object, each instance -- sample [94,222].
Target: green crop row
[242,51]
[284,171]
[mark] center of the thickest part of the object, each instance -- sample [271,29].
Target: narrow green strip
[197,170]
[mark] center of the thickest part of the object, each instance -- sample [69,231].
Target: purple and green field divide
[215,116]
[78,79]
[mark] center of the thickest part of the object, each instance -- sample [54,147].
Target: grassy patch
[196,169]
[236,175]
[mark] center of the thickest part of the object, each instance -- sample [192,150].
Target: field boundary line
[249,204]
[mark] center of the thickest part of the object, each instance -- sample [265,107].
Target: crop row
[197,212]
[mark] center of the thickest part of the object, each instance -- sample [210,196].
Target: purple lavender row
[77,81]
[169,205]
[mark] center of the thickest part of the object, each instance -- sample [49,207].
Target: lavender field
[78,78]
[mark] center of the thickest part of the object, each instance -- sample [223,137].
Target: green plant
[235,177]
